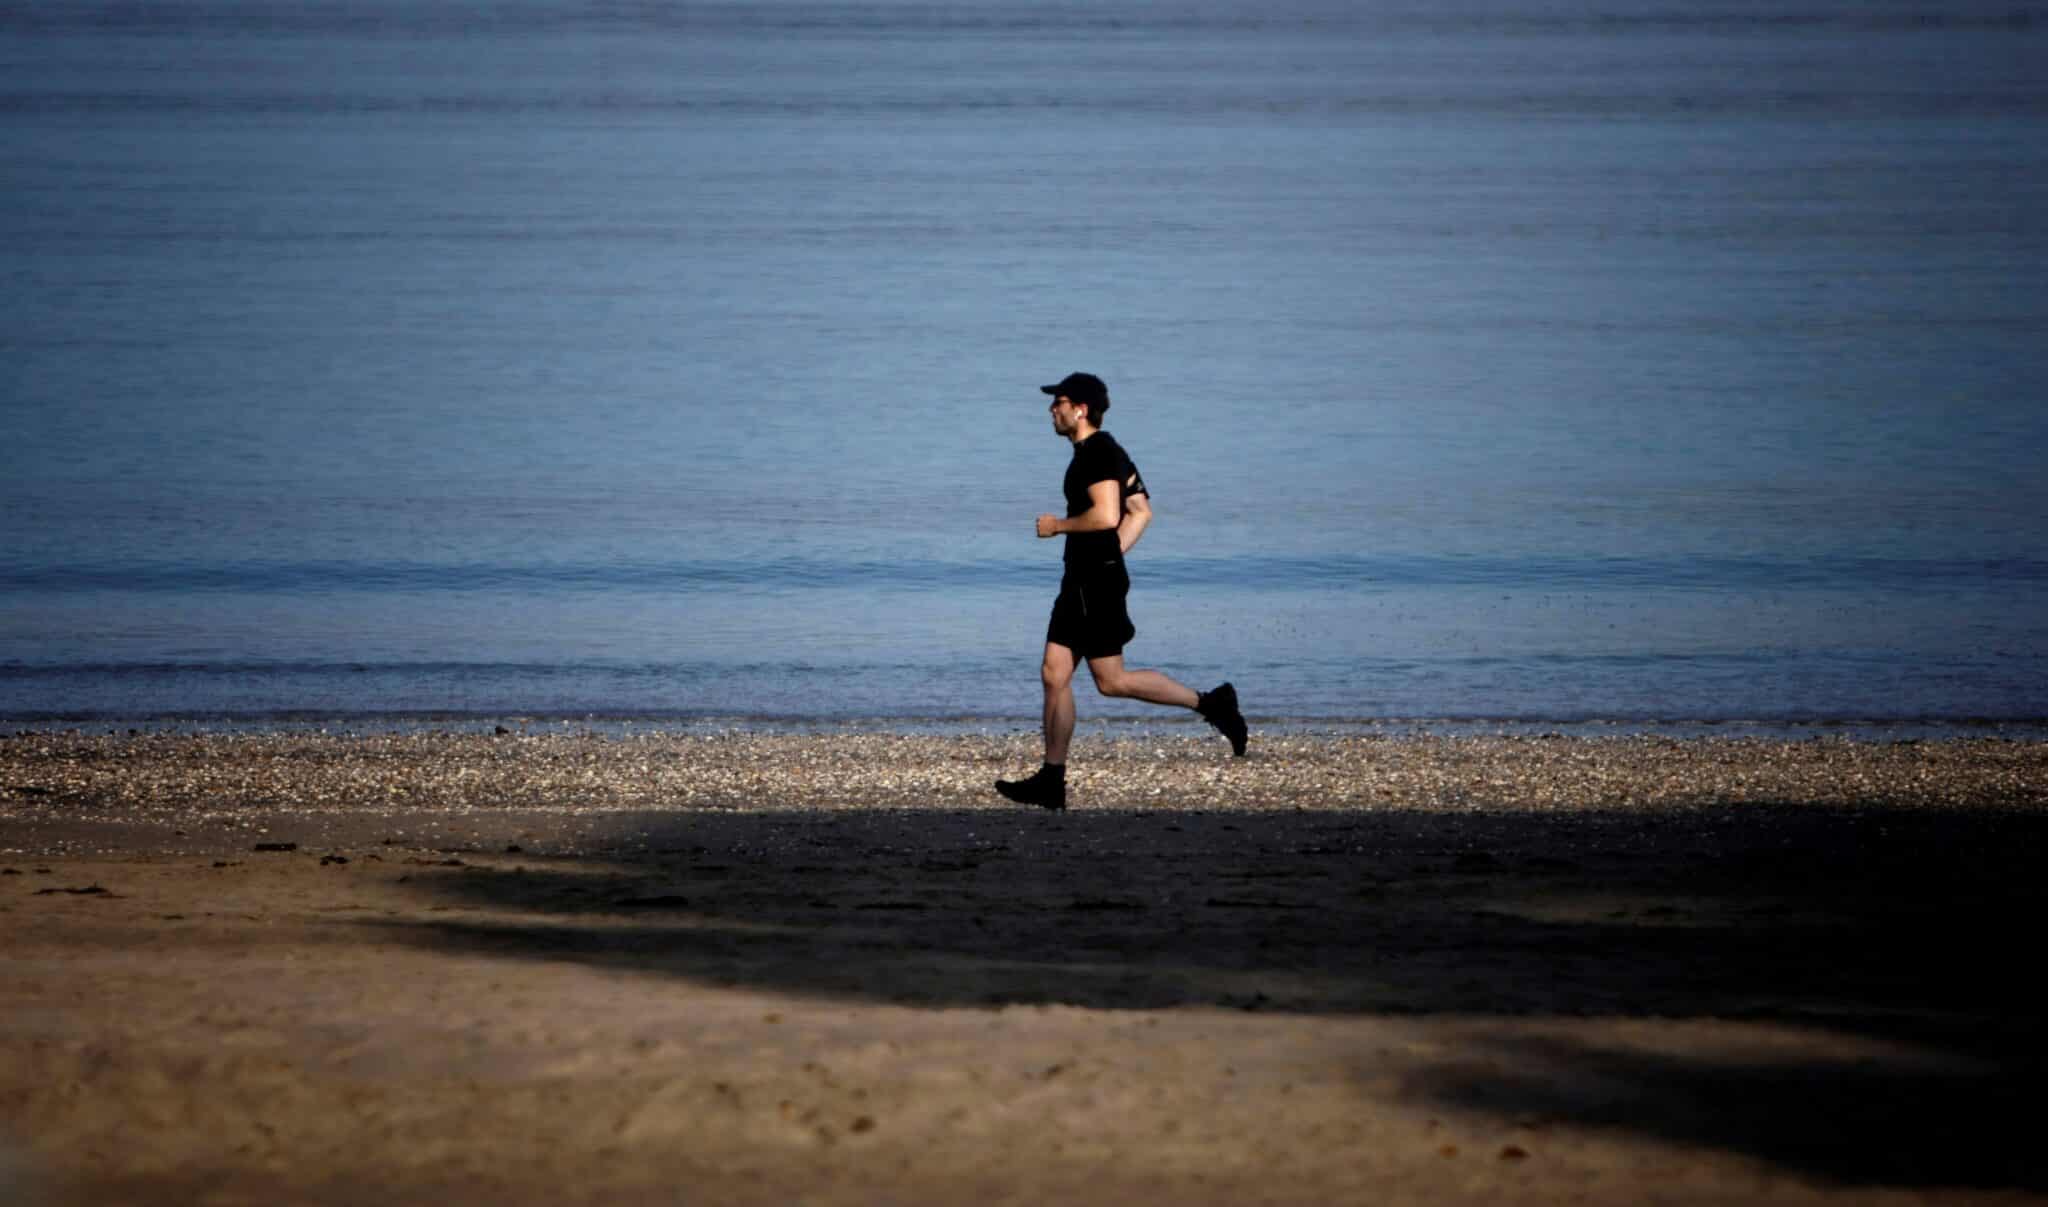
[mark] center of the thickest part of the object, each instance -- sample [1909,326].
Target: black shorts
[1089,617]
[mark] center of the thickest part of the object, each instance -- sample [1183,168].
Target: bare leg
[1111,679]
[1058,674]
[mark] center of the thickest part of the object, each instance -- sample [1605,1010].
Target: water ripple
[1266,572]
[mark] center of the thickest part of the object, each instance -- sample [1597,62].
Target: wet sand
[750,968]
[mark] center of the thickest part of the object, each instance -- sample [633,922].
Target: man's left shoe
[1218,707]
[1045,790]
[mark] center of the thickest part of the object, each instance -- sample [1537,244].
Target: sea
[1632,365]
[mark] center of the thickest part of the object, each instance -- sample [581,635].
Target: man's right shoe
[1219,708]
[1045,791]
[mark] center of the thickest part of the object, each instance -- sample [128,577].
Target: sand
[547,968]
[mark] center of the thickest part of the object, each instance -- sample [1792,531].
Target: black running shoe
[1043,789]
[1219,708]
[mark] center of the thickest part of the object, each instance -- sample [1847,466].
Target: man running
[1108,508]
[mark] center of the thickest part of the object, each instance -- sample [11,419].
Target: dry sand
[836,969]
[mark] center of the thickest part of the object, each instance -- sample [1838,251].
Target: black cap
[1084,388]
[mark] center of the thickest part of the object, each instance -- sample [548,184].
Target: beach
[545,966]
[1601,444]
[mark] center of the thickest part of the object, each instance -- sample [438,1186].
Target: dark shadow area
[1862,1122]
[1913,932]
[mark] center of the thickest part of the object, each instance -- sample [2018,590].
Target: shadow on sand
[1908,934]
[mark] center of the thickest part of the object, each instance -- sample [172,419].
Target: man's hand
[1048,525]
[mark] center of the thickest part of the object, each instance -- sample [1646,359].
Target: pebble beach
[139,778]
[752,967]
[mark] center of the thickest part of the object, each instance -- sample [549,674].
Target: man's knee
[1057,674]
[1111,683]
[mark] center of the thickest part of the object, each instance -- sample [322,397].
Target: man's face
[1064,412]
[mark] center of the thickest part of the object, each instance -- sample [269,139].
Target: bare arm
[1137,514]
[1101,515]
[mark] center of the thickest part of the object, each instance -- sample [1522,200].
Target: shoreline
[836,968]
[1150,724]
[77,779]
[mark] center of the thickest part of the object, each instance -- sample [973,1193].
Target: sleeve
[1100,464]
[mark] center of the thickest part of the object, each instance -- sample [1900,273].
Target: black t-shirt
[1099,458]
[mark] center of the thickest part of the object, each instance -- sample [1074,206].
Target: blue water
[1543,362]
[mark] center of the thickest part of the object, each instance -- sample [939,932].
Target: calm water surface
[1547,362]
